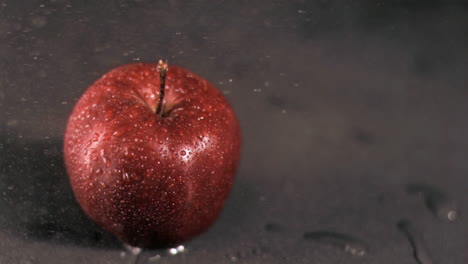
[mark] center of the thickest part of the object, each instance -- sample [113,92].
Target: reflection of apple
[151,152]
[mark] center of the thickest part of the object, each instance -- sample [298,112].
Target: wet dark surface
[342,105]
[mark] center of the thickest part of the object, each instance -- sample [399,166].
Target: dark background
[341,103]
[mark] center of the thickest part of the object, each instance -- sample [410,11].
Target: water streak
[347,243]
[419,250]
[438,202]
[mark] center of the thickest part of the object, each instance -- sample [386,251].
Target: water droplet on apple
[109,115]
[149,172]
[183,153]
[126,151]
[119,132]
[105,159]
[98,171]
[126,176]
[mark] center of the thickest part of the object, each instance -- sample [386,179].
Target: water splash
[438,202]
[166,253]
[176,250]
[419,251]
[347,243]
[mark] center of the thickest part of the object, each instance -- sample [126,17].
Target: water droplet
[347,243]
[109,115]
[119,132]
[98,171]
[419,250]
[436,201]
[180,248]
[154,258]
[105,159]
[452,215]
[132,250]
[183,153]
[126,176]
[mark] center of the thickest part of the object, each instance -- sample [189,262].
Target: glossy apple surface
[152,180]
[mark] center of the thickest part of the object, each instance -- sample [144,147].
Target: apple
[151,151]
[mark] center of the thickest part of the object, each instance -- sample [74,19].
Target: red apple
[151,152]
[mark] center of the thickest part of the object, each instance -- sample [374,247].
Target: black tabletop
[353,117]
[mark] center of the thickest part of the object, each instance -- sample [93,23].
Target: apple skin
[152,180]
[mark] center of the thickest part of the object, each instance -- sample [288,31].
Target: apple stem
[162,69]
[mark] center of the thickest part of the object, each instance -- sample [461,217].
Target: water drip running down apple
[151,151]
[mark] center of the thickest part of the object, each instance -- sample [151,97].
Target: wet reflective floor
[353,117]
